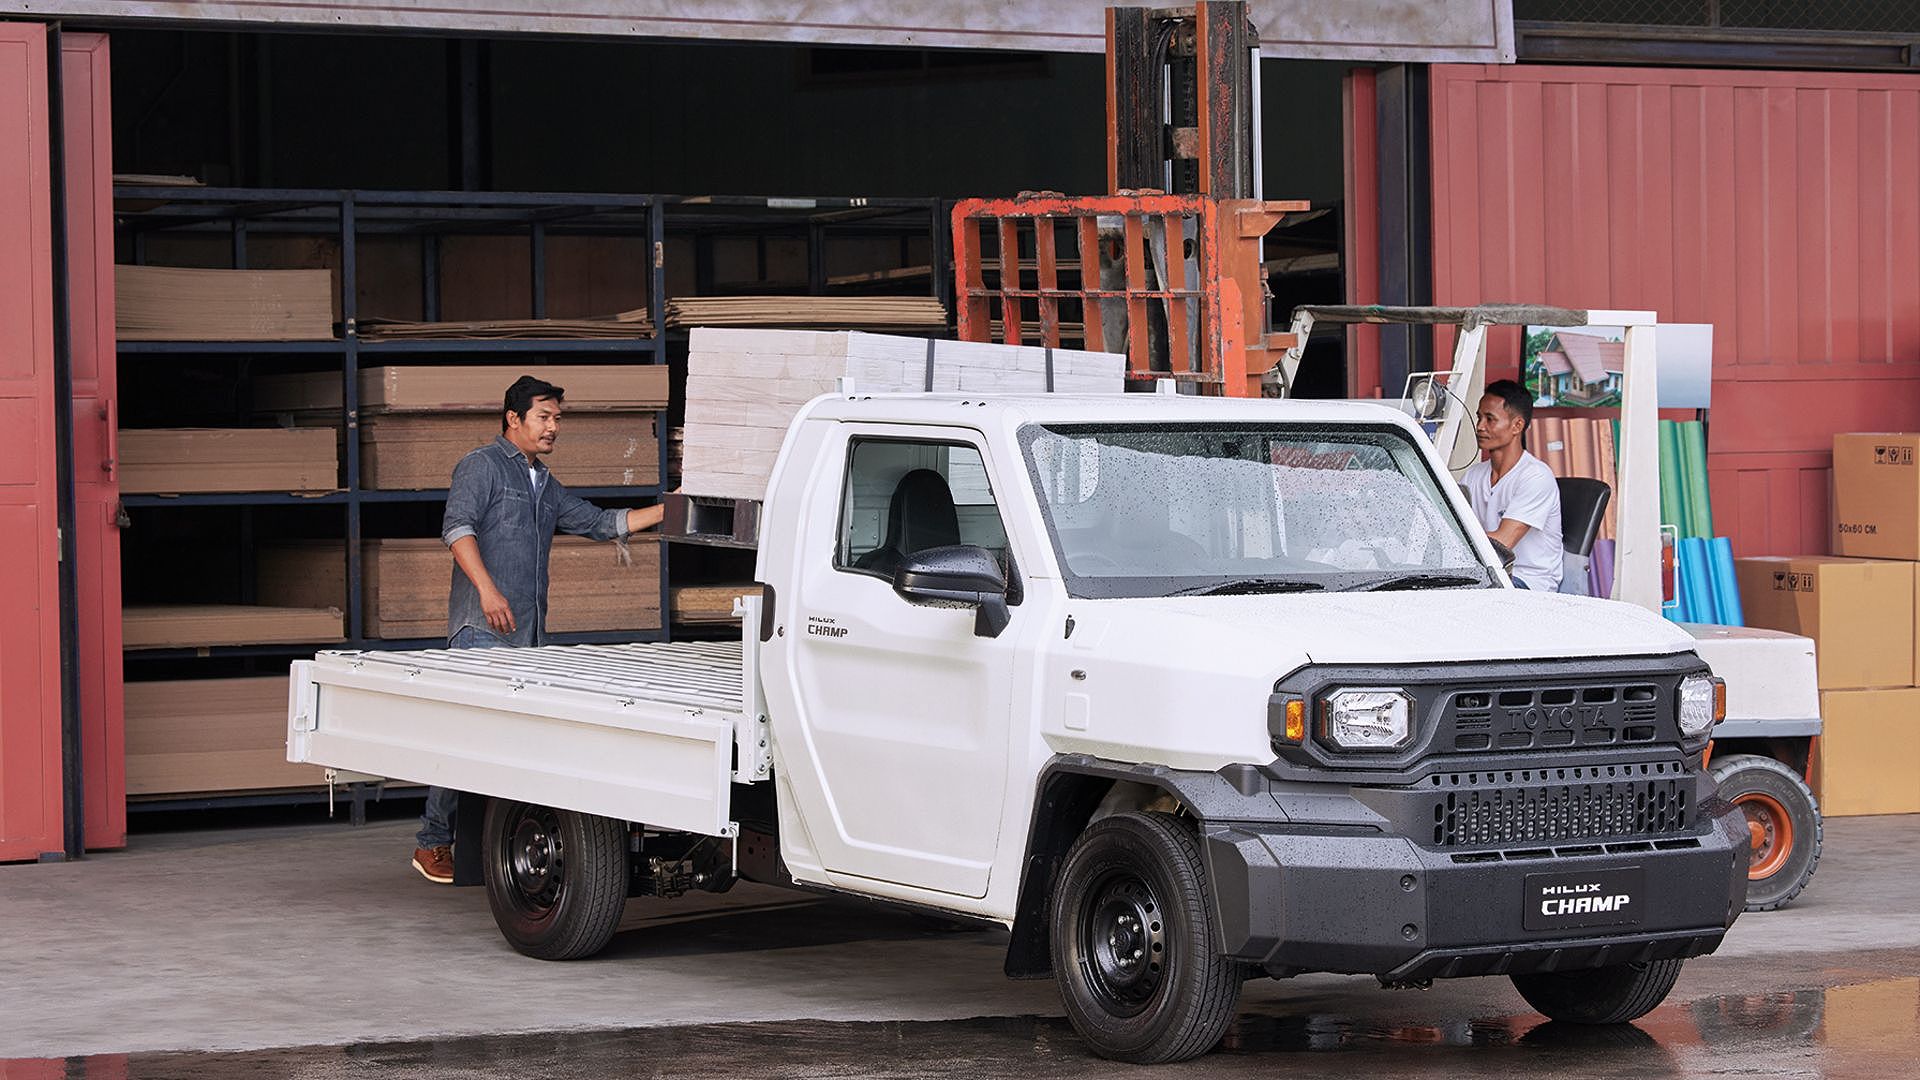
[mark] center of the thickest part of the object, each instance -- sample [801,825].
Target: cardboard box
[405,584]
[176,461]
[1859,612]
[1868,761]
[187,736]
[1876,495]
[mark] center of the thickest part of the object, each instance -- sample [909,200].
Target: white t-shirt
[1530,495]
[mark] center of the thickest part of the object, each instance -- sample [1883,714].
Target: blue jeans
[436,821]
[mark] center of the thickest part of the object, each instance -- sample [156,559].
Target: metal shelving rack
[346,215]
[816,219]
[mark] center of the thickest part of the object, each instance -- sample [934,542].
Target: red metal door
[1782,207]
[30,783]
[87,153]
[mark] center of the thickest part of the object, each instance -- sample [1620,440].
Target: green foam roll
[1693,471]
[1672,496]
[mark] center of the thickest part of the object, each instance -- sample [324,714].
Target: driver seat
[921,515]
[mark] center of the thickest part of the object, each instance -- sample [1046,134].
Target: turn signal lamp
[1296,729]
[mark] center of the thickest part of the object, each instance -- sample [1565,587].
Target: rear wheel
[556,879]
[1783,822]
[1133,943]
[1608,995]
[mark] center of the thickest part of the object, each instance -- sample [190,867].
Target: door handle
[110,413]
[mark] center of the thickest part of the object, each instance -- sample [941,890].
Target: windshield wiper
[1423,581]
[1250,586]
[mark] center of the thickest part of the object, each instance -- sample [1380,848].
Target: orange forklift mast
[1166,269]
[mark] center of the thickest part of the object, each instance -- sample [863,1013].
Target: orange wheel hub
[1770,828]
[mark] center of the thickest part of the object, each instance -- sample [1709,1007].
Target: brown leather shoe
[435,864]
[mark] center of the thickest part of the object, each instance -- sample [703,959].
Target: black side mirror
[958,575]
[1505,553]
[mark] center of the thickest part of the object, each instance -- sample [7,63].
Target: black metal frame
[708,217]
[349,214]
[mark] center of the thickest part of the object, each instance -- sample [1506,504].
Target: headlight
[1703,702]
[1367,719]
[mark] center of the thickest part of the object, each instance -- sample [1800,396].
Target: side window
[901,497]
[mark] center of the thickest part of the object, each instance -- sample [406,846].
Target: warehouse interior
[764,170]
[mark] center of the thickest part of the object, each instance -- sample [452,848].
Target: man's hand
[499,613]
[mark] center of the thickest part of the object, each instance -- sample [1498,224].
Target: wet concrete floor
[309,953]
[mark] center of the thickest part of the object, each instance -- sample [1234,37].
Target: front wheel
[556,879]
[1608,995]
[1133,943]
[1783,821]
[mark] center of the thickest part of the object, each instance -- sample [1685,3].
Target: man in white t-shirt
[1514,494]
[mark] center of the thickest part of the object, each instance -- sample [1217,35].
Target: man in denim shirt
[502,509]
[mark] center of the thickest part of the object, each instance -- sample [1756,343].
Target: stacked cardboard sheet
[466,388]
[405,584]
[626,324]
[175,461]
[188,736]
[836,312]
[164,303]
[193,626]
[745,386]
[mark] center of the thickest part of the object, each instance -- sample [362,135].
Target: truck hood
[1425,626]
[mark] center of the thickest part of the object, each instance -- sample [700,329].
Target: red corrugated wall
[1782,207]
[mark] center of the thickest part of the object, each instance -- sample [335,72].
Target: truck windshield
[1214,509]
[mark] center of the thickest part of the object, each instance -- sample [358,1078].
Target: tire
[1137,879]
[556,879]
[1608,995]
[1783,820]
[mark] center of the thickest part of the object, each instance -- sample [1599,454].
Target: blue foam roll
[1696,580]
[1726,591]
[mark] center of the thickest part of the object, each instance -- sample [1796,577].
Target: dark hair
[1518,401]
[521,395]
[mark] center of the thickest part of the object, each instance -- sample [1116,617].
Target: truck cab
[1180,690]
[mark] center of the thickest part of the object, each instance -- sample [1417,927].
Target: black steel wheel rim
[533,861]
[1123,943]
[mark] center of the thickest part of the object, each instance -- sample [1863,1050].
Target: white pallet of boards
[744,388]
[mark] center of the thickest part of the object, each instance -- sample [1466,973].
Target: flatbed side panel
[619,756]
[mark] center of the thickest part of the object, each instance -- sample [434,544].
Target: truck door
[905,710]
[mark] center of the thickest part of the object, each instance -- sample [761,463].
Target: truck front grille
[1527,806]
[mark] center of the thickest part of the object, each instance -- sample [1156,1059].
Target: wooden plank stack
[189,736]
[709,605]
[418,420]
[405,584]
[830,312]
[744,388]
[164,303]
[193,626]
[175,461]
[625,324]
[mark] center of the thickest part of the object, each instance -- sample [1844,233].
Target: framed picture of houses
[1580,366]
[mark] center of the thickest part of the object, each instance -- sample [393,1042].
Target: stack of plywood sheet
[178,460]
[164,303]
[418,420]
[745,386]
[626,324]
[405,584]
[193,626]
[708,604]
[401,451]
[835,312]
[189,736]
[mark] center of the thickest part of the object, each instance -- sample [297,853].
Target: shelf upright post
[350,410]
[430,277]
[657,301]
[816,257]
[939,257]
[537,247]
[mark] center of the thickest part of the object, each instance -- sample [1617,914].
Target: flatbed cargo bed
[643,732]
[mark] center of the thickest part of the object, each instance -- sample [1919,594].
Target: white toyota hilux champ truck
[1183,691]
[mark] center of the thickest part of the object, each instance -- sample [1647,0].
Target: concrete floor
[319,938]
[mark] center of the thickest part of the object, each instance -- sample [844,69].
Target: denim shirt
[493,499]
